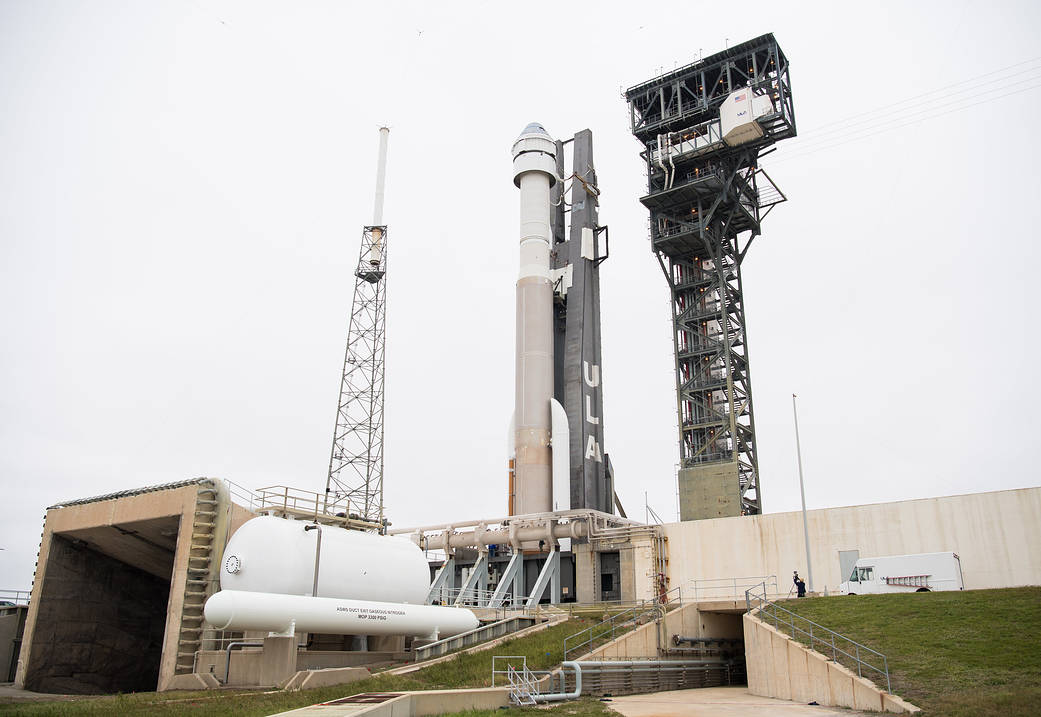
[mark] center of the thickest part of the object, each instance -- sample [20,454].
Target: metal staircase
[198,583]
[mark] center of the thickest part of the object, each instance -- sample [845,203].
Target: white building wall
[997,536]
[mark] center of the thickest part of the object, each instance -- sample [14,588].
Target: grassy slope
[543,649]
[976,652]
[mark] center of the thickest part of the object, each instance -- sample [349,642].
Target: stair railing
[816,637]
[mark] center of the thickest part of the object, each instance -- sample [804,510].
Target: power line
[925,94]
[873,115]
[891,126]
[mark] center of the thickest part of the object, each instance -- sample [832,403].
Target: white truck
[904,573]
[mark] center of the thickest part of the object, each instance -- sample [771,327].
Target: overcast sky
[183,187]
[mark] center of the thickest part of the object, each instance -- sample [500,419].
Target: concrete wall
[12,622]
[709,491]
[717,619]
[997,535]
[148,532]
[778,666]
[100,626]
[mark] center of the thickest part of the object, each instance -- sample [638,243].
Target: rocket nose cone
[534,128]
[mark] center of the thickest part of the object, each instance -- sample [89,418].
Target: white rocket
[538,419]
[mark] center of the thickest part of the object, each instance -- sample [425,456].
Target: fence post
[859,672]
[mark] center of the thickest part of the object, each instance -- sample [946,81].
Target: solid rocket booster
[534,172]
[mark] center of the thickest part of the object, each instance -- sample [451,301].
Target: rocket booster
[534,172]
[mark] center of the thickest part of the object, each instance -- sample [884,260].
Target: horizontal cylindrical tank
[238,610]
[276,555]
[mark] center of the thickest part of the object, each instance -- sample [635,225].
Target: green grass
[543,649]
[959,654]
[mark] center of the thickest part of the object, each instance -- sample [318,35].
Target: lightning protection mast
[355,483]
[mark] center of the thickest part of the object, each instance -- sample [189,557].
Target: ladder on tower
[197,581]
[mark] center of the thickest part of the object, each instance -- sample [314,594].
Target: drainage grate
[366,698]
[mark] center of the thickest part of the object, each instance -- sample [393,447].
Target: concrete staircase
[199,575]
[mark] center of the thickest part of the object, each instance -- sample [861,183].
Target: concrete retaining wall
[996,535]
[719,619]
[780,667]
[431,702]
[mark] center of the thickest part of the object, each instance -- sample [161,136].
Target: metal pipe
[227,664]
[802,493]
[381,178]
[317,555]
[587,513]
[514,535]
[561,696]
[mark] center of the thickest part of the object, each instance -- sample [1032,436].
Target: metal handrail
[614,624]
[784,619]
[736,586]
[522,681]
[15,597]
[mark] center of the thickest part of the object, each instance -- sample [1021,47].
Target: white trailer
[923,572]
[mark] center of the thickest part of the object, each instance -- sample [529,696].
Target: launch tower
[355,482]
[704,128]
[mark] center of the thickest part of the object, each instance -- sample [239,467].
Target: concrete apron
[717,702]
[415,704]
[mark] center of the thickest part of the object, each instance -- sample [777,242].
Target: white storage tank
[276,555]
[234,610]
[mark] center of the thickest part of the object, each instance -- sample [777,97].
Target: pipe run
[513,535]
[632,665]
[561,696]
[227,662]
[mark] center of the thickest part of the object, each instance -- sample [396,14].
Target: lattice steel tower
[704,128]
[355,483]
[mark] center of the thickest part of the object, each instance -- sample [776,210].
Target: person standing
[800,584]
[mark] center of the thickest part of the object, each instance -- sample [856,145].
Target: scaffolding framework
[707,199]
[356,463]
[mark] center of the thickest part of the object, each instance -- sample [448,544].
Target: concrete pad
[414,704]
[10,694]
[193,681]
[309,679]
[716,702]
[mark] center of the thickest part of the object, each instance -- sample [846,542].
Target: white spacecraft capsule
[240,610]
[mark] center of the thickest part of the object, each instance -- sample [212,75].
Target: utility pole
[802,493]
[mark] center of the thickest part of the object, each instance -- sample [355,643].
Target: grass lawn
[543,649]
[969,653]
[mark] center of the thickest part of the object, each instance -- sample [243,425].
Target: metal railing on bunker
[817,637]
[642,612]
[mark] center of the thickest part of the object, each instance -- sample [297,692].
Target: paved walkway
[9,694]
[717,702]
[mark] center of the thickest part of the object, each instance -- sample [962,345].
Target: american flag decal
[740,98]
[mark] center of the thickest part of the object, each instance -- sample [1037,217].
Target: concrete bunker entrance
[103,608]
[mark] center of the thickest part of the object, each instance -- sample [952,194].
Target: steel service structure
[704,129]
